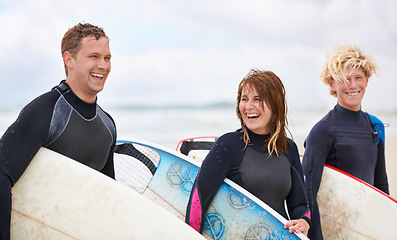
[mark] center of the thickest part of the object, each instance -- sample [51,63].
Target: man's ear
[67,59]
[331,83]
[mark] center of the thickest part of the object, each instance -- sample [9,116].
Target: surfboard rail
[363,182]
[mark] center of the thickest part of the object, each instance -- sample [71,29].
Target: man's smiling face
[350,94]
[89,68]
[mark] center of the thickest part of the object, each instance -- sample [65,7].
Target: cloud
[197,52]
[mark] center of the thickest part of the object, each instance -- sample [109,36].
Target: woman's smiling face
[254,112]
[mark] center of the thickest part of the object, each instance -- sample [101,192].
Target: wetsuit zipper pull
[375,136]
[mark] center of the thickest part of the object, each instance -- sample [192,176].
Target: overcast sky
[196,52]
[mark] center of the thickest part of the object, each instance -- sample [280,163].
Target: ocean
[167,126]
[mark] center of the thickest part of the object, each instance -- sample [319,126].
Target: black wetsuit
[350,141]
[62,122]
[272,179]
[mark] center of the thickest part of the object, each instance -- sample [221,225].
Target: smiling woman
[253,154]
[262,108]
[255,112]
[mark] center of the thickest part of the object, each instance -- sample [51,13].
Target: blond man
[346,138]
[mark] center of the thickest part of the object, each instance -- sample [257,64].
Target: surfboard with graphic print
[234,212]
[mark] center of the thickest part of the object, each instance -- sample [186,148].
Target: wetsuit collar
[258,138]
[347,114]
[87,110]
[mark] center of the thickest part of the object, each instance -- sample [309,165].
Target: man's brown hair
[72,39]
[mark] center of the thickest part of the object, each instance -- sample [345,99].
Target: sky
[179,52]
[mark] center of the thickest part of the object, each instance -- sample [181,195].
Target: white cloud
[176,50]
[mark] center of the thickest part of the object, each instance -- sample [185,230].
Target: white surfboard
[59,198]
[352,209]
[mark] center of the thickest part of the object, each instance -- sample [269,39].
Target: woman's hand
[298,226]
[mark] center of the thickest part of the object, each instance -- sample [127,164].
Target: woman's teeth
[252,115]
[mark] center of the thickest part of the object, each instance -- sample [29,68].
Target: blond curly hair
[342,61]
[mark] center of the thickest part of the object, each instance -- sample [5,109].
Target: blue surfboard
[234,212]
